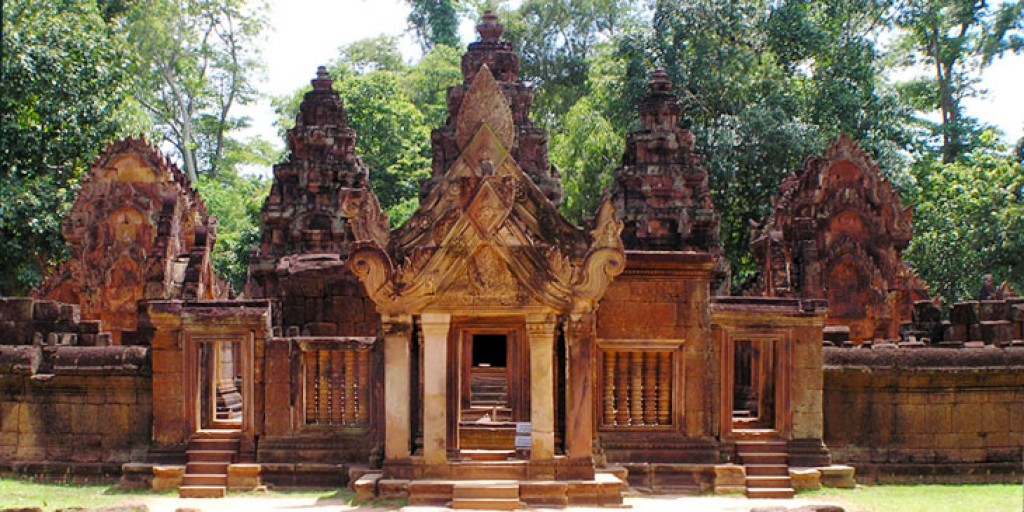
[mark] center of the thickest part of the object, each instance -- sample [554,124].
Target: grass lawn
[22,492]
[927,498]
[16,492]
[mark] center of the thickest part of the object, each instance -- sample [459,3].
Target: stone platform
[605,489]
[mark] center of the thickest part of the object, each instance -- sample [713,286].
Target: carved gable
[486,237]
[137,231]
[837,232]
[508,114]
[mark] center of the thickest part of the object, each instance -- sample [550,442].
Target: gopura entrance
[486,281]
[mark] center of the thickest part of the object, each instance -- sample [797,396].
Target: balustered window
[637,388]
[336,386]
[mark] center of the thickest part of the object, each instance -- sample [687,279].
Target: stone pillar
[397,330]
[435,383]
[541,332]
[579,404]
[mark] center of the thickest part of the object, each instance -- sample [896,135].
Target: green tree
[426,83]
[586,148]
[969,220]
[63,96]
[555,40]
[762,85]
[236,202]
[435,23]
[955,40]
[195,60]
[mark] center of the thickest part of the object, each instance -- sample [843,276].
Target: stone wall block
[965,313]
[16,309]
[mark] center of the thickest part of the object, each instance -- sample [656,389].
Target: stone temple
[488,353]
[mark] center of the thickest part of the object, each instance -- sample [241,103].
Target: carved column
[541,331]
[579,412]
[397,330]
[435,382]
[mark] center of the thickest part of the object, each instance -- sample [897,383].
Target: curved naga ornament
[373,267]
[605,260]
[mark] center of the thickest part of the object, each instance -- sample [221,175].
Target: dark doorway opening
[753,398]
[490,350]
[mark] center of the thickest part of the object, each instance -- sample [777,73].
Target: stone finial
[659,82]
[323,80]
[489,29]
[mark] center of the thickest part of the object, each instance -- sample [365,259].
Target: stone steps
[209,453]
[488,455]
[767,468]
[202,491]
[486,495]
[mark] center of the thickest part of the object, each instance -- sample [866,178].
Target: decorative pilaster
[579,414]
[540,329]
[435,383]
[397,330]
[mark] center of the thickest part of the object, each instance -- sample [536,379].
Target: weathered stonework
[353,356]
[661,190]
[926,415]
[138,232]
[837,232]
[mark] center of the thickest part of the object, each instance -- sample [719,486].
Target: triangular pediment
[485,236]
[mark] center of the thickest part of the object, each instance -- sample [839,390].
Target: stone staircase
[210,452]
[486,495]
[766,463]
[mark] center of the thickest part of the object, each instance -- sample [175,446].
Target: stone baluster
[310,365]
[621,388]
[363,387]
[337,395]
[650,388]
[664,388]
[636,403]
[323,389]
[350,387]
[609,388]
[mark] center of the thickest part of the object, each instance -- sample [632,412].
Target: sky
[308,33]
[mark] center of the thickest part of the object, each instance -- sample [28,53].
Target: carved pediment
[487,237]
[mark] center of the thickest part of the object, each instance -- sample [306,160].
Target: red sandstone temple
[486,353]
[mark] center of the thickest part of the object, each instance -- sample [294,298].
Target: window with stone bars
[337,387]
[636,388]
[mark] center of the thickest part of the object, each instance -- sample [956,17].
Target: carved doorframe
[517,366]
[781,341]
[193,340]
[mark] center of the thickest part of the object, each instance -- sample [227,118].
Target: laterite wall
[926,414]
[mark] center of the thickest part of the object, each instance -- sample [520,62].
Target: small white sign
[522,442]
[523,427]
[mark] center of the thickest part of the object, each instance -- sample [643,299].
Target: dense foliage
[63,95]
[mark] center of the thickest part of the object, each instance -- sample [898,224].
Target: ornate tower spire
[320,201]
[661,190]
[529,146]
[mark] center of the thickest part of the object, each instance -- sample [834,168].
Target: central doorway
[487,400]
[490,391]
